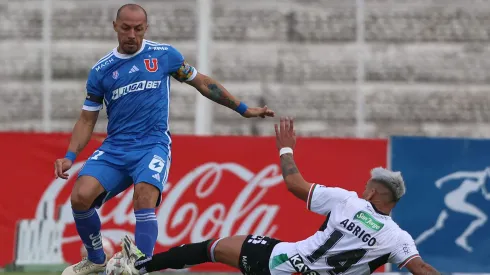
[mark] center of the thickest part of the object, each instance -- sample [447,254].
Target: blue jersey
[136,92]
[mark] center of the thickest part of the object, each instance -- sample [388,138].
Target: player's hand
[285,134]
[258,112]
[60,168]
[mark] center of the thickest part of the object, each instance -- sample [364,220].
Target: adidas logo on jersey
[134,69]
[156,176]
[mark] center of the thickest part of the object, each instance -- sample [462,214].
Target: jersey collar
[127,56]
[377,211]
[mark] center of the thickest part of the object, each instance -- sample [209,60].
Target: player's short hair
[391,180]
[131,6]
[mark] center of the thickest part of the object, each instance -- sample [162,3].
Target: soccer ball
[117,265]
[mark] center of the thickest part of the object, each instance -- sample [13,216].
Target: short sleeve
[404,250]
[322,199]
[178,67]
[95,96]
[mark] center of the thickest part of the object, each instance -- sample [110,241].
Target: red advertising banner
[218,186]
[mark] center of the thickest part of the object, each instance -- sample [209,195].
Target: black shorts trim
[255,254]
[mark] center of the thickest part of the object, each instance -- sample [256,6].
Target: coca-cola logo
[244,214]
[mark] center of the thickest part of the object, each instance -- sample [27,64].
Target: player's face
[131,28]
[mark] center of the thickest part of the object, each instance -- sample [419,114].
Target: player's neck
[380,208]
[119,50]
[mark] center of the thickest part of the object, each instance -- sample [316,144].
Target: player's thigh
[251,254]
[105,170]
[152,170]
[228,249]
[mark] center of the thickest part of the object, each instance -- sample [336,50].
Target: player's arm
[405,254]
[214,91]
[82,131]
[286,141]
[418,267]
[210,88]
[84,127]
[295,182]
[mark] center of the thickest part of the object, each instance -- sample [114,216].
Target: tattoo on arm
[288,166]
[217,95]
[211,89]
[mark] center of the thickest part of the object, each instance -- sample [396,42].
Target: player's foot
[85,267]
[136,258]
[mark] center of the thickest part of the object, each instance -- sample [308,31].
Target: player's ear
[369,193]
[114,26]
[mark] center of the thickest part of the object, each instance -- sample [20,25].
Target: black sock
[176,257]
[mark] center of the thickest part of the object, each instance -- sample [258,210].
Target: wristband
[71,156]
[285,150]
[242,108]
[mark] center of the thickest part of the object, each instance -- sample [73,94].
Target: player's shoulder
[403,235]
[397,234]
[159,47]
[333,190]
[104,63]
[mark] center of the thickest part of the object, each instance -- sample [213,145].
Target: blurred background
[365,68]
[341,68]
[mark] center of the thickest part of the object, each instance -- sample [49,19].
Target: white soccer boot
[85,267]
[134,256]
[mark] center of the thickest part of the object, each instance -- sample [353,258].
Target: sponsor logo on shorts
[368,220]
[300,266]
[156,164]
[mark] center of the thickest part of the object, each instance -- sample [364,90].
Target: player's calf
[87,221]
[175,258]
[145,199]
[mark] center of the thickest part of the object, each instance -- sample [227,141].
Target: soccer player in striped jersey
[357,237]
[133,82]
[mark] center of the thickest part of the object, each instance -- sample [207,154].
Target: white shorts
[286,260]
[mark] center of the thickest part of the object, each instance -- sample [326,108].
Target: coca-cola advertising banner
[218,186]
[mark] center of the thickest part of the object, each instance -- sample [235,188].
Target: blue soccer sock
[146,230]
[88,227]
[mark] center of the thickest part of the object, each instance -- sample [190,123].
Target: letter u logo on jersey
[153,66]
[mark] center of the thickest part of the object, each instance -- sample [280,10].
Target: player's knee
[145,196]
[81,200]
[84,194]
[227,250]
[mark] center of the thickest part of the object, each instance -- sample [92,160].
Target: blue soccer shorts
[117,170]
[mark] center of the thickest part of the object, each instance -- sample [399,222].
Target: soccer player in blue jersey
[133,81]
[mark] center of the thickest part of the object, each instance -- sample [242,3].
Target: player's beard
[130,48]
